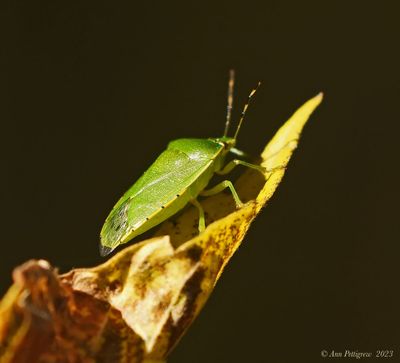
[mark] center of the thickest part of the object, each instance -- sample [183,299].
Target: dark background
[92,91]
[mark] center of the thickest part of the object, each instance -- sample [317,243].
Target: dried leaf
[136,306]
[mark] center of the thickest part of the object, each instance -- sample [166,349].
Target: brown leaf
[137,305]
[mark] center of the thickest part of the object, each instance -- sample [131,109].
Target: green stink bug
[177,177]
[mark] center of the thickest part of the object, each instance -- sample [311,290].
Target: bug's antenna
[245,109]
[230,100]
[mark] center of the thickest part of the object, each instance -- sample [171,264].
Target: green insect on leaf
[177,177]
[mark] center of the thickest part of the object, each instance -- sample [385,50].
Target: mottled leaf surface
[137,305]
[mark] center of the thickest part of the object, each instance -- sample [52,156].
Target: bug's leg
[219,188]
[228,167]
[243,154]
[202,220]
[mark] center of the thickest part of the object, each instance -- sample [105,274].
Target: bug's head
[229,142]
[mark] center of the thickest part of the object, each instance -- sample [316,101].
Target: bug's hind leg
[219,188]
[202,220]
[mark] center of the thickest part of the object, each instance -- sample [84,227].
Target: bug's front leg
[219,188]
[228,167]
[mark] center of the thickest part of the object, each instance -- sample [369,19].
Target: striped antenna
[230,100]
[245,109]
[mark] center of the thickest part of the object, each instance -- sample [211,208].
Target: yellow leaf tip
[320,96]
[315,101]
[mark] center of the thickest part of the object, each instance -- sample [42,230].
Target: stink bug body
[178,176]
